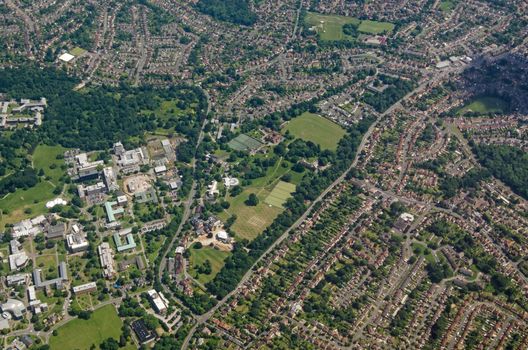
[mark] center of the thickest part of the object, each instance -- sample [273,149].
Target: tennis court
[244,142]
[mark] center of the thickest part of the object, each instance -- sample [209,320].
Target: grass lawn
[280,194]
[312,127]
[45,157]
[421,249]
[485,105]
[251,221]
[330,27]
[169,108]
[375,27]
[35,198]
[447,5]
[77,51]
[198,257]
[48,264]
[81,334]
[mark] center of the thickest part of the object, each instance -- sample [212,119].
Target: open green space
[77,51]
[330,27]
[104,323]
[252,220]
[22,204]
[45,158]
[280,194]
[421,249]
[172,108]
[375,27]
[319,130]
[199,256]
[485,105]
[447,5]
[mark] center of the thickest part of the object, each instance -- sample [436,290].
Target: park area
[22,204]
[280,194]
[485,105]
[375,27]
[80,334]
[252,220]
[319,130]
[330,27]
[198,258]
[77,51]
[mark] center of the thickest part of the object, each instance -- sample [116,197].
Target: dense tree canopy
[509,164]
[234,11]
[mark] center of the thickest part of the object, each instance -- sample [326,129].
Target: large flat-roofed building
[106,257]
[158,301]
[77,242]
[58,282]
[110,179]
[56,231]
[91,190]
[129,240]
[15,307]
[85,288]
[142,332]
[111,212]
[129,161]
[17,280]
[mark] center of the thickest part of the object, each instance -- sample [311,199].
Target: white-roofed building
[66,57]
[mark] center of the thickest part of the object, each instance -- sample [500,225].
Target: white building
[158,301]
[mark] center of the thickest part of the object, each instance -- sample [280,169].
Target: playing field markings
[280,194]
[256,221]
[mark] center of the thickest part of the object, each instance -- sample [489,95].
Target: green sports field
[485,105]
[77,51]
[319,130]
[252,220]
[81,334]
[330,27]
[375,27]
[199,256]
[280,194]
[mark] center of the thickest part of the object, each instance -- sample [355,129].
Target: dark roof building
[143,334]
[56,231]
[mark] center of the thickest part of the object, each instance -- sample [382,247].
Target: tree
[252,200]
[109,344]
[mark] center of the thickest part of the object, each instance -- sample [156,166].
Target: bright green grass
[421,249]
[319,130]
[45,157]
[34,198]
[330,27]
[251,221]
[375,27]
[280,194]
[215,256]
[447,5]
[81,334]
[485,105]
[77,51]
